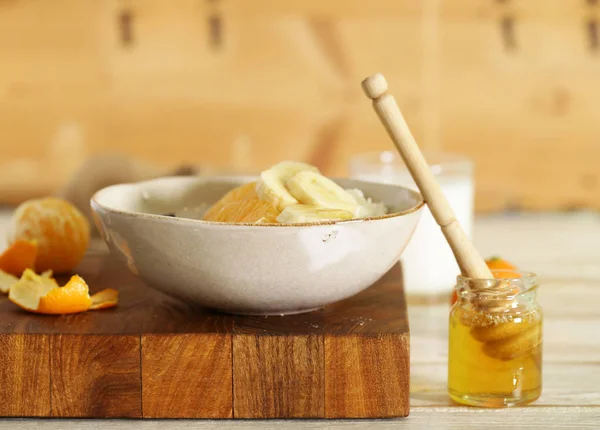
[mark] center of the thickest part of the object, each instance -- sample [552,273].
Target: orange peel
[42,294]
[105,299]
[6,281]
[20,255]
[74,297]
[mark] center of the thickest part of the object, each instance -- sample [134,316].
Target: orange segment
[105,299]
[62,232]
[20,255]
[242,205]
[238,194]
[248,211]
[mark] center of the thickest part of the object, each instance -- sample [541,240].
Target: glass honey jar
[495,341]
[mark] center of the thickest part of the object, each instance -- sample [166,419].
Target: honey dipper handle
[469,260]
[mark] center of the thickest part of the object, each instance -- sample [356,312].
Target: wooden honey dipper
[470,262]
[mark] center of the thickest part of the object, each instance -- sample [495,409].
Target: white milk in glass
[428,264]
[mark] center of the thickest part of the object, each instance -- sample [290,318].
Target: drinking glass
[428,265]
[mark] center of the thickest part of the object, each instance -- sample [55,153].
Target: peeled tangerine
[61,231]
[308,213]
[242,205]
[42,294]
[17,258]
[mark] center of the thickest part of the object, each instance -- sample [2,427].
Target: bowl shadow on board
[296,268]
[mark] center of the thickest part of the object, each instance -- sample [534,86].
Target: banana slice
[366,207]
[307,213]
[272,184]
[311,188]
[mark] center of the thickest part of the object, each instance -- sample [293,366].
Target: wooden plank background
[239,84]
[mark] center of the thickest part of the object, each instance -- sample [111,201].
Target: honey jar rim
[524,282]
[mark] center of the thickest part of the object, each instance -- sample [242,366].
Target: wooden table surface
[565,250]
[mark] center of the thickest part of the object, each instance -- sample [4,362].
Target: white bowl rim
[191,221]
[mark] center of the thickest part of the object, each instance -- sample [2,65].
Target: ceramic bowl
[249,269]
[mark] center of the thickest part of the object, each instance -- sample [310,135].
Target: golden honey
[495,356]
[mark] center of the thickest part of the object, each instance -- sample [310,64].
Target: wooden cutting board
[156,357]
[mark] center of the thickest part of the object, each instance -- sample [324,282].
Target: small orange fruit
[61,231]
[18,257]
[41,294]
[502,268]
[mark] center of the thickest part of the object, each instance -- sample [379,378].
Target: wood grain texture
[24,375]
[357,316]
[95,376]
[470,76]
[156,357]
[367,353]
[278,376]
[569,297]
[367,376]
[469,260]
[131,316]
[578,417]
[189,375]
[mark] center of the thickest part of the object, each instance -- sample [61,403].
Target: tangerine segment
[6,281]
[248,211]
[62,232]
[238,194]
[20,255]
[104,299]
